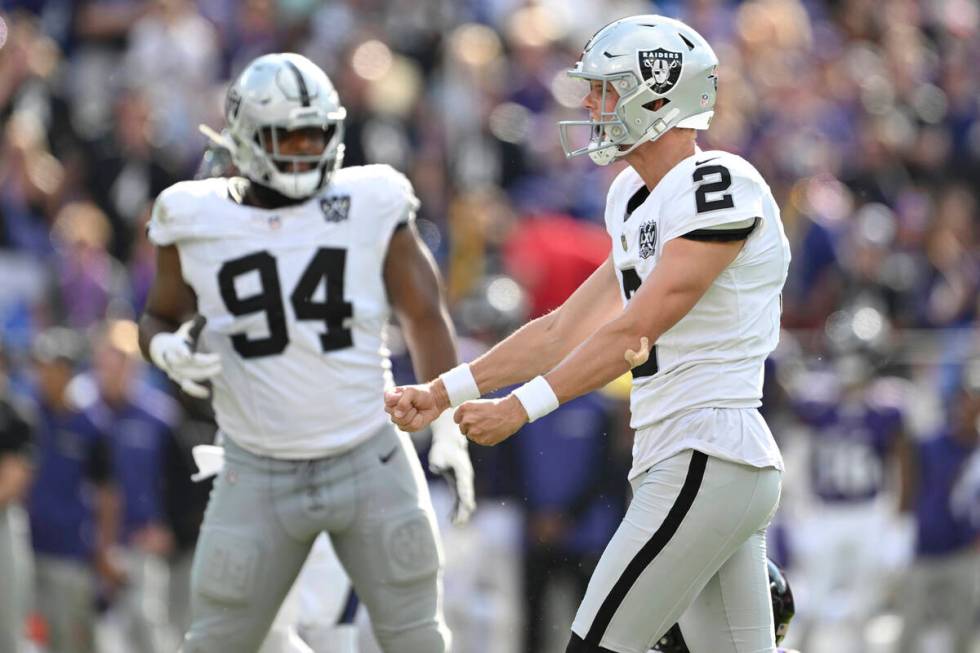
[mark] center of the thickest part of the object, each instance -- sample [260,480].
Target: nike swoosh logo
[697,163]
[609,55]
[388,456]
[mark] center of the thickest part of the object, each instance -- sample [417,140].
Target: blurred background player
[73,503]
[138,423]
[16,462]
[943,583]
[841,548]
[332,461]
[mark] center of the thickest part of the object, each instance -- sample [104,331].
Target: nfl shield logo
[648,238]
[662,66]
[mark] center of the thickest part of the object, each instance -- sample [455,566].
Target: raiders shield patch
[662,66]
[335,209]
[648,238]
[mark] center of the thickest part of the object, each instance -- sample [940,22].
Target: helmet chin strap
[652,133]
[611,152]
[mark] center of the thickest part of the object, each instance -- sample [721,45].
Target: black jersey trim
[721,235]
[646,555]
[639,197]
[304,93]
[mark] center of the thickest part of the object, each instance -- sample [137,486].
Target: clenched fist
[491,421]
[413,407]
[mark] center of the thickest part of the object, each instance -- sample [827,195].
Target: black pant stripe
[695,474]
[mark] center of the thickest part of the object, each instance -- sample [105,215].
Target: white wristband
[537,397]
[460,384]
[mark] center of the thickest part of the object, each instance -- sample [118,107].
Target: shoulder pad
[177,212]
[389,191]
[714,188]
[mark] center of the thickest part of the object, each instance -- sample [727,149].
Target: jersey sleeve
[168,222]
[174,216]
[389,200]
[395,203]
[724,194]
[401,202]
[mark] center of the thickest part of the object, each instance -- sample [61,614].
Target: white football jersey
[296,306]
[713,357]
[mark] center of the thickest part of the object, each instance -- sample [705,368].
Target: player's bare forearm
[415,290]
[682,276]
[432,344]
[542,343]
[169,302]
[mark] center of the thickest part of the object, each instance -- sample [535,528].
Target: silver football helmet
[665,75]
[275,94]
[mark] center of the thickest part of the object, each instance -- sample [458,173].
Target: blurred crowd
[864,117]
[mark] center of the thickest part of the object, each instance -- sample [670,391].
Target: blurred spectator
[942,585]
[137,424]
[173,59]
[128,171]
[571,479]
[98,43]
[90,284]
[30,186]
[865,122]
[15,476]
[74,508]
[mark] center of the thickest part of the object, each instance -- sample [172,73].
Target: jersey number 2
[722,184]
[631,283]
[327,265]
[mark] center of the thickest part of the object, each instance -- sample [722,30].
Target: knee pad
[226,567]
[433,637]
[412,551]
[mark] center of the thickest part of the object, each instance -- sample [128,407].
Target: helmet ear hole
[656,105]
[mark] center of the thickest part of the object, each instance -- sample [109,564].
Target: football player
[689,300]
[849,536]
[294,269]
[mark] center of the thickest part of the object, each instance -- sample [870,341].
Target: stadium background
[863,116]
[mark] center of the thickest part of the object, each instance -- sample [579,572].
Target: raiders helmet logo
[662,66]
[648,239]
